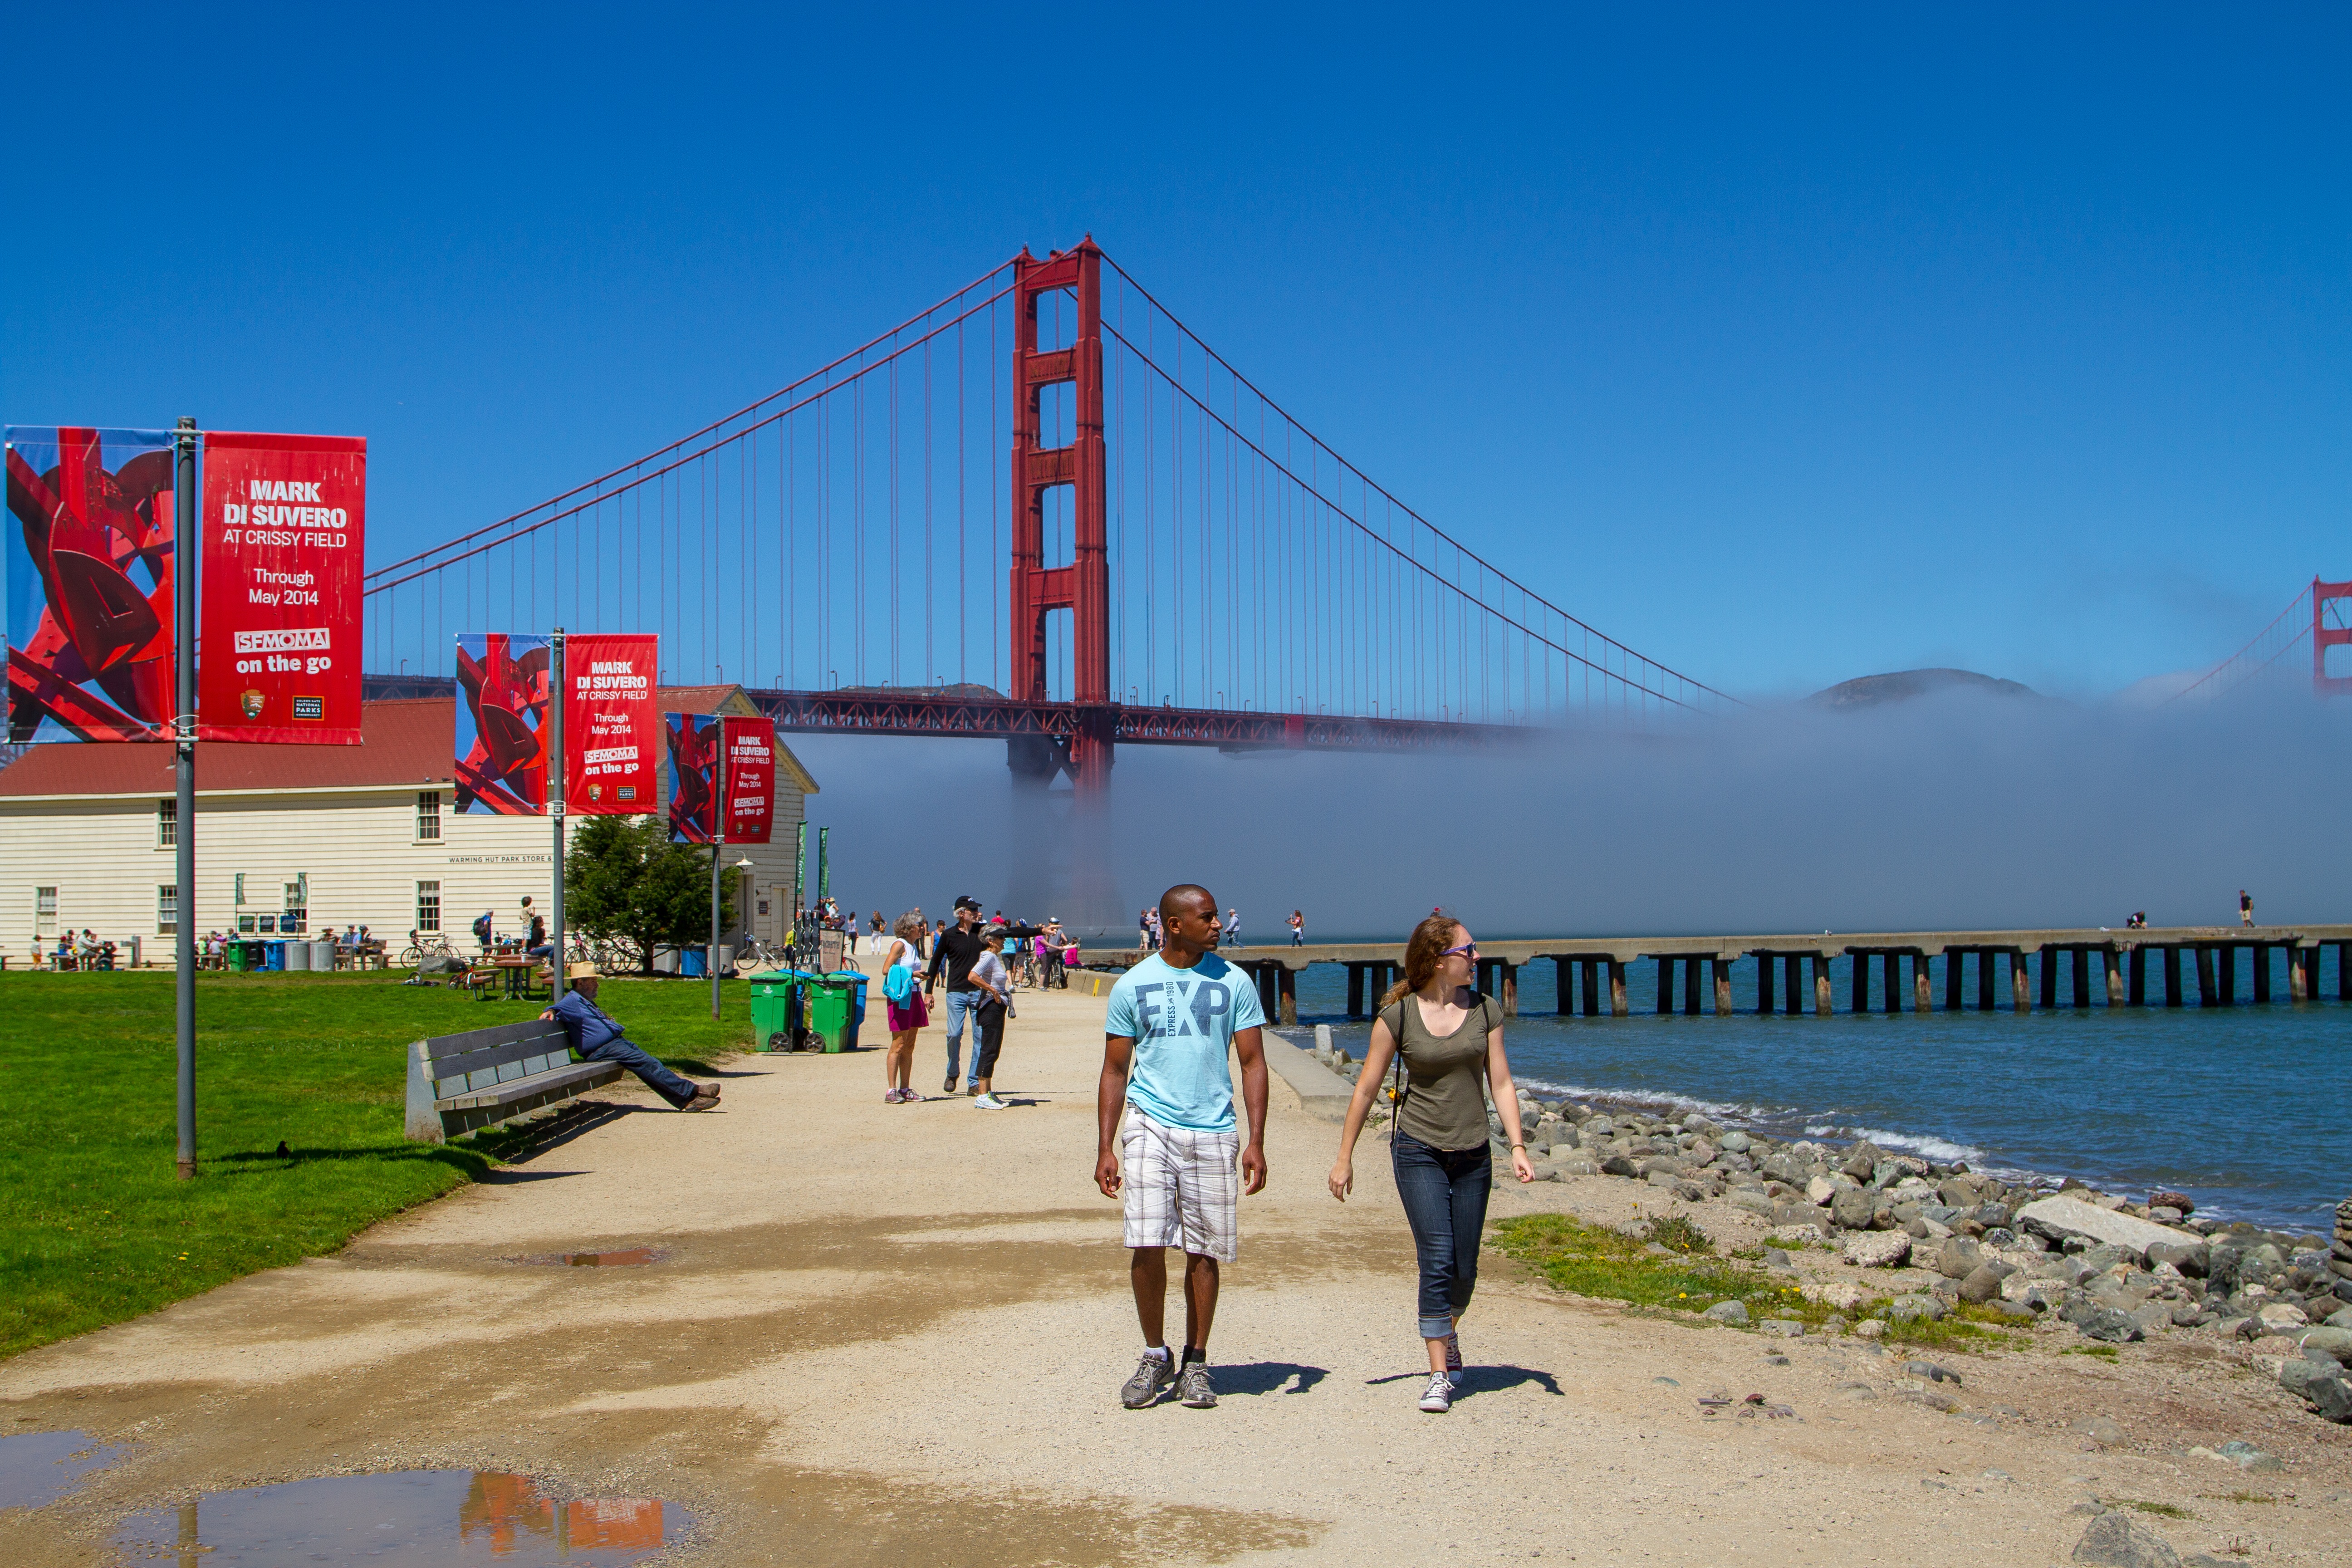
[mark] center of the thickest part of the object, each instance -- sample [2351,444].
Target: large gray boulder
[1959,1257]
[2061,1218]
[2115,1540]
[1851,1207]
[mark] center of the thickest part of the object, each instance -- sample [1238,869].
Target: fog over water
[1956,811]
[1953,811]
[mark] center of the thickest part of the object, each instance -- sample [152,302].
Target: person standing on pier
[1450,1039]
[1297,929]
[2245,908]
[953,954]
[907,1011]
[1166,1143]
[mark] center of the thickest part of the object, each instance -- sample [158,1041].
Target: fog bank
[1955,811]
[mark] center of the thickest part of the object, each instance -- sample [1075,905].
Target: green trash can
[777,1009]
[832,1013]
[237,955]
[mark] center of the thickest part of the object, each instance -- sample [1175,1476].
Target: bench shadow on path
[1476,1380]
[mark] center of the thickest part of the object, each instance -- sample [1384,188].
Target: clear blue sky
[1785,350]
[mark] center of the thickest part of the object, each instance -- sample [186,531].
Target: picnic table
[516,975]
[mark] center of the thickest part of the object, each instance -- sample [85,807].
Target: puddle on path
[38,1468]
[622,1259]
[420,1518]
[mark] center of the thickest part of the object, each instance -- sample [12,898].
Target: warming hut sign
[751,778]
[283,522]
[610,727]
[87,564]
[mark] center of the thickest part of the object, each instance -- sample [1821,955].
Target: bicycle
[757,954]
[429,945]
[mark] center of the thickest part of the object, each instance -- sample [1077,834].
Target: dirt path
[895,1334]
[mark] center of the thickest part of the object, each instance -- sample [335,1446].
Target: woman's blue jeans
[1444,1193]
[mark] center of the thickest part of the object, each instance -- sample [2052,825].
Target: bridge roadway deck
[1599,961]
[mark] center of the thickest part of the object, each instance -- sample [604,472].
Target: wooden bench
[460,1083]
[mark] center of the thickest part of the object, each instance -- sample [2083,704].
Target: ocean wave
[1943,1151]
[1716,1109]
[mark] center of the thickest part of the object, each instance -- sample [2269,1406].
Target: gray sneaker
[1193,1388]
[1152,1374]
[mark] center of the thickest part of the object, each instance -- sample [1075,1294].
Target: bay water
[2243,1107]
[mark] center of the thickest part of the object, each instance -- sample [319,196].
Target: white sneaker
[988,1102]
[1440,1397]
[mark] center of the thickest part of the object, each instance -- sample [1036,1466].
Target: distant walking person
[1165,1135]
[1232,928]
[908,1011]
[953,954]
[1297,929]
[993,985]
[1451,1037]
[2245,908]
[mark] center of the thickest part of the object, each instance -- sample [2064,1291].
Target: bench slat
[519,1037]
[582,1073]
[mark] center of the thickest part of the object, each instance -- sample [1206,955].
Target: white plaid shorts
[1179,1185]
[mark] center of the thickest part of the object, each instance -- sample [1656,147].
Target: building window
[429,906]
[167,825]
[296,915]
[167,910]
[428,815]
[248,923]
[45,912]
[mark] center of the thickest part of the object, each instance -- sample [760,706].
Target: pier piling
[2020,983]
[2139,977]
[1984,981]
[1894,982]
[1764,984]
[1618,1006]
[2262,951]
[2207,992]
[1722,969]
[1665,986]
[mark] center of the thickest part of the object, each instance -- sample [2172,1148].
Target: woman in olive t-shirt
[1450,1038]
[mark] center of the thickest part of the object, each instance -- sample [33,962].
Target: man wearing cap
[956,951]
[597,1037]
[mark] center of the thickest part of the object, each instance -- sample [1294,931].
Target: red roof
[407,744]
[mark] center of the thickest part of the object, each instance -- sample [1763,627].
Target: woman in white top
[906,1017]
[995,982]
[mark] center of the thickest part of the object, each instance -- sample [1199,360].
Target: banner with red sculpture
[693,740]
[610,724]
[283,524]
[89,569]
[501,745]
[750,792]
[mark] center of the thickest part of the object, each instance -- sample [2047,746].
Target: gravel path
[895,1334]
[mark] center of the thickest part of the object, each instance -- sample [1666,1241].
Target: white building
[302,837]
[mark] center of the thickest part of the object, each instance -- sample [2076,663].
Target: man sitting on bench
[598,1038]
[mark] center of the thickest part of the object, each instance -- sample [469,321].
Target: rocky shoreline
[2116,1270]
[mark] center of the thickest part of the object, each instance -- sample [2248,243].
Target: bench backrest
[483,1058]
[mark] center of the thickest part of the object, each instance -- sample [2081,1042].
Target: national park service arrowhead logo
[596,792]
[251,700]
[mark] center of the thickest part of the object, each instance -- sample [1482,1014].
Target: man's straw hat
[582,972]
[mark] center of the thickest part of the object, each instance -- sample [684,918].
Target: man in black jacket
[955,953]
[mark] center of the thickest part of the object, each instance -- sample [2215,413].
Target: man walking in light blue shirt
[1165,1113]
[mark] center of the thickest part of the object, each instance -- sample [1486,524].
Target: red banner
[693,742]
[611,729]
[283,524]
[751,772]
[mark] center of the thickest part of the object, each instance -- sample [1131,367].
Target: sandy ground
[895,1334]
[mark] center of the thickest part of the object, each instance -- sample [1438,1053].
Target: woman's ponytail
[1423,951]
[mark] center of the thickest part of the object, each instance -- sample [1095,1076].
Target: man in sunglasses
[1165,1113]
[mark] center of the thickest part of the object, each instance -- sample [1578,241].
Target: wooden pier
[2022,967]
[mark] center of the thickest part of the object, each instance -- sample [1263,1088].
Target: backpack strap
[1400,1082]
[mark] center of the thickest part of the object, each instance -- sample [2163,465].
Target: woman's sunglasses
[1470,948]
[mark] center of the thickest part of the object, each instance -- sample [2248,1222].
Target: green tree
[623,877]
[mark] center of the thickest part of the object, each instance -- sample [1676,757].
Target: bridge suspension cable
[853,530]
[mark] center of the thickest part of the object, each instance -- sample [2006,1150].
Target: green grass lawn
[94,1226]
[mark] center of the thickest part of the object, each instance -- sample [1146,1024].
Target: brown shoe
[705,1097]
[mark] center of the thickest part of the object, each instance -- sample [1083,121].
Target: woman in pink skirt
[908,1016]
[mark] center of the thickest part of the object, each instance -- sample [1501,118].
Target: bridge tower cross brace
[1082,586]
[2324,636]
